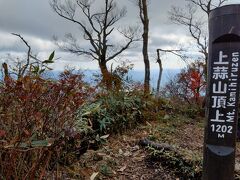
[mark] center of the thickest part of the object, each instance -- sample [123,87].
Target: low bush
[112,112]
[37,117]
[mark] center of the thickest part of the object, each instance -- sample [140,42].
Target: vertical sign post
[222,94]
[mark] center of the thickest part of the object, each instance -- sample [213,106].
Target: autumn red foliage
[35,113]
[188,85]
[193,79]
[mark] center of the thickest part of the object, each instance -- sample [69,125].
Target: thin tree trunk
[160,73]
[145,21]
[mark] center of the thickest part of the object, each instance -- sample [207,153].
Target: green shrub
[112,112]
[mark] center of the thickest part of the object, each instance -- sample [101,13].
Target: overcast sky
[37,23]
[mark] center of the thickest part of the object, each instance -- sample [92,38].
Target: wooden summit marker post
[222,94]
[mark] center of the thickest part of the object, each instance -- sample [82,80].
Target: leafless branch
[23,70]
[97,31]
[195,26]
[207,5]
[176,52]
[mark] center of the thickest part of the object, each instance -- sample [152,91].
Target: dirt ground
[121,158]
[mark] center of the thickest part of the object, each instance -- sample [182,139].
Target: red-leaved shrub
[34,114]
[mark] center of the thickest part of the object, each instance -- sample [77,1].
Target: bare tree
[143,14]
[195,23]
[195,26]
[98,29]
[176,52]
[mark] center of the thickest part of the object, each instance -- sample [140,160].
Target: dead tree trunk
[159,61]
[143,7]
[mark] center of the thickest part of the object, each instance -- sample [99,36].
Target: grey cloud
[162,41]
[30,17]
[14,43]
[36,21]
[37,18]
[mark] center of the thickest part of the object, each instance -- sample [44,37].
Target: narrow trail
[121,158]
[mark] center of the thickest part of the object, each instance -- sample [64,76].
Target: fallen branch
[170,157]
[157,146]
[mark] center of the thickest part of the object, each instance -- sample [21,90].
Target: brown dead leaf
[127,154]
[122,168]
[94,175]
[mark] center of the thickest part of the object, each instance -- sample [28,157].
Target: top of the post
[225,10]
